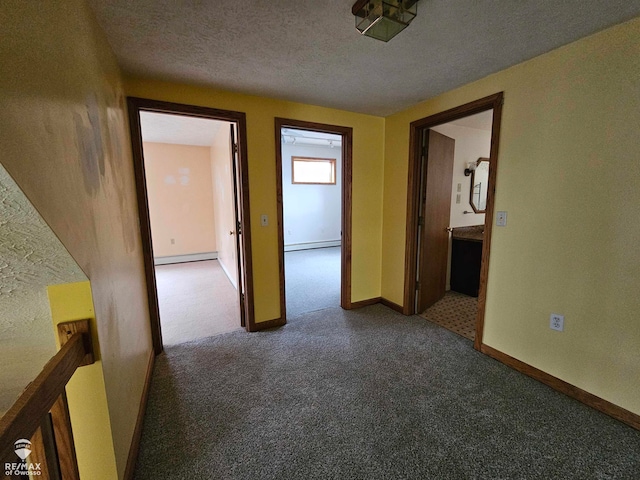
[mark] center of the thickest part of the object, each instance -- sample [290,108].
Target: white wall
[223,203]
[471,144]
[311,212]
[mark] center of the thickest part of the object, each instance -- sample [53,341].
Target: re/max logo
[30,469]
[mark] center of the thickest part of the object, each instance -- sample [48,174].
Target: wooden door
[435,206]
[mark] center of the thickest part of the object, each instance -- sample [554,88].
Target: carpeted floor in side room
[312,280]
[196,300]
[366,394]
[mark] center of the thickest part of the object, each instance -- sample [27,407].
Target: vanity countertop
[474,233]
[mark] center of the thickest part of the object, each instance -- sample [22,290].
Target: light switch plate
[264,220]
[501,219]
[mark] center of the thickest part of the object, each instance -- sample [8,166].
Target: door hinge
[239,228]
[242,300]
[417,285]
[423,152]
[421,221]
[235,148]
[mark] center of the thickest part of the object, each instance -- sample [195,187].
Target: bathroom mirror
[479,185]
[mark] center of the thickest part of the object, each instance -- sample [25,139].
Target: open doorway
[448,223]
[456,307]
[314,217]
[191,179]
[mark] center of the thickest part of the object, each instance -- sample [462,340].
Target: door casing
[413,188]
[345,261]
[135,106]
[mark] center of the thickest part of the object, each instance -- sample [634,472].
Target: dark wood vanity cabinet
[466,257]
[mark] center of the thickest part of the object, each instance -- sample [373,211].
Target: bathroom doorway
[423,228]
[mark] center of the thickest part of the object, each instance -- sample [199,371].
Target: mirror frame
[473,177]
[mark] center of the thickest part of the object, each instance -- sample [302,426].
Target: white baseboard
[191,257]
[309,245]
[233,281]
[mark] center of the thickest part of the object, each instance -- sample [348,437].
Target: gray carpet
[312,280]
[366,394]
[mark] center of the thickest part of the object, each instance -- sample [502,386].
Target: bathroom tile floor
[456,312]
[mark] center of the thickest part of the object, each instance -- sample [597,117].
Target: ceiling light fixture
[293,139]
[384,19]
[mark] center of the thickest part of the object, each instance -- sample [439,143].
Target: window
[314,171]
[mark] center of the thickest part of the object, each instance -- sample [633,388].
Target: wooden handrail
[26,414]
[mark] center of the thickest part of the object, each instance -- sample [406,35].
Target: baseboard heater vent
[309,245]
[191,257]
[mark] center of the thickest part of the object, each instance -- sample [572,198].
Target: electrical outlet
[556,322]
[458,198]
[459,187]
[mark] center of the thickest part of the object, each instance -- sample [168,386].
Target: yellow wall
[65,141]
[179,189]
[86,392]
[367,181]
[569,178]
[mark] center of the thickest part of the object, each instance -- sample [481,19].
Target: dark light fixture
[384,19]
[471,166]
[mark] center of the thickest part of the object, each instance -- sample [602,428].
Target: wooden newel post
[66,331]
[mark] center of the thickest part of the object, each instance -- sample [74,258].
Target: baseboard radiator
[310,245]
[190,257]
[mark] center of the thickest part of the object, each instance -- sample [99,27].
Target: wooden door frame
[135,106]
[345,257]
[491,102]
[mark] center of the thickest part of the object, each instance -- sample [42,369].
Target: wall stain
[118,142]
[89,143]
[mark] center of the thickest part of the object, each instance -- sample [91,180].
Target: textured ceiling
[31,258]
[179,129]
[186,130]
[309,51]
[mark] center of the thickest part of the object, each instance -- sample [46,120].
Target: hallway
[366,394]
